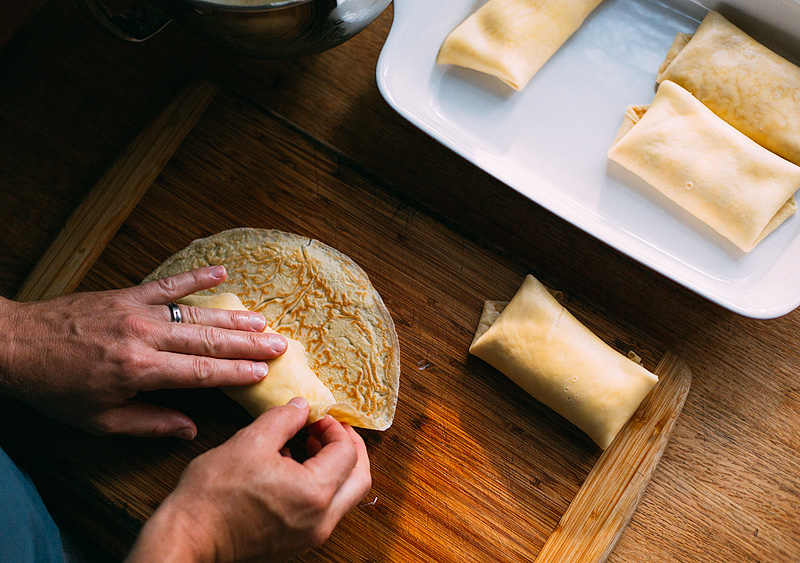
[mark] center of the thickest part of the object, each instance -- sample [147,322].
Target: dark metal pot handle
[136,24]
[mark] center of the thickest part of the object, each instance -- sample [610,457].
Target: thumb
[280,424]
[145,420]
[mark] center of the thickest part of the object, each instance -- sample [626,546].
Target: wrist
[171,535]
[7,343]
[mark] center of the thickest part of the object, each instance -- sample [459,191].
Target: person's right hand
[248,500]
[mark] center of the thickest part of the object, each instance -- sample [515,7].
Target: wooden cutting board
[473,469]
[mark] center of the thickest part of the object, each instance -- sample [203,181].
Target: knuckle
[321,533]
[159,428]
[238,319]
[212,341]
[134,326]
[318,500]
[350,456]
[197,465]
[131,360]
[167,285]
[243,369]
[191,314]
[366,484]
[200,469]
[103,426]
[204,369]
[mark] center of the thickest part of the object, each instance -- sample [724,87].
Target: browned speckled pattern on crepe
[315,294]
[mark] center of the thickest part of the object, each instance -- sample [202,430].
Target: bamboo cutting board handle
[95,221]
[607,499]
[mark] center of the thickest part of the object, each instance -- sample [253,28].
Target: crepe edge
[386,419]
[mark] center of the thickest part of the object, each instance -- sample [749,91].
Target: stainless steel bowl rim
[274,5]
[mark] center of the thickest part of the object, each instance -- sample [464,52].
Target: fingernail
[277,343]
[298,402]
[217,272]
[185,434]
[258,322]
[260,370]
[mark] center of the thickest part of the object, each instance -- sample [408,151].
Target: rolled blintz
[725,179]
[289,376]
[512,39]
[746,84]
[542,348]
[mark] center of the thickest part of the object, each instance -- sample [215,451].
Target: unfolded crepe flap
[632,116]
[680,41]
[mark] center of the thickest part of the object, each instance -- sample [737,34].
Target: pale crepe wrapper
[343,354]
[288,376]
[513,39]
[719,175]
[541,347]
[743,82]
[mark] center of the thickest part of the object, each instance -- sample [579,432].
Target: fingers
[222,318]
[279,424]
[312,446]
[356,479]
[167,370]
[362,462]
[218,342]
[193,356]
[143,419]
[357,483]
[337,456]
[166,290]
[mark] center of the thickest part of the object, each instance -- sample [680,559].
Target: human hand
[248,500]
[82,358]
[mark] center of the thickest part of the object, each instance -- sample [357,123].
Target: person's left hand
[82,358]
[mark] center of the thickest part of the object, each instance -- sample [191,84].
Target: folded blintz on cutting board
[719,175]
[512,39]
[542,348]
[740,80]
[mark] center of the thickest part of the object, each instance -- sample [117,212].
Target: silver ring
[174,313]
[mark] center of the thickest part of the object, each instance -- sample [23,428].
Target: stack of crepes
[343,353]
[722,135]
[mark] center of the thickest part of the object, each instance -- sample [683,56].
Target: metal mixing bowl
[275,29]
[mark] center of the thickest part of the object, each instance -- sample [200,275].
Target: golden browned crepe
[725,179]
[345,360]
[512,39]
[740,80]
[542,348]
[289,376]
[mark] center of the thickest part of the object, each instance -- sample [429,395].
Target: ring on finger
[174,313]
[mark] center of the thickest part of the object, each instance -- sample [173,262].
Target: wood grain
[605,503]
[234,155]
[95,221]
[726,488]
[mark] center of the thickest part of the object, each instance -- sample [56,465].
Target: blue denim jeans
[27,531]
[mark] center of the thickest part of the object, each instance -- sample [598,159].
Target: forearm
[170,536]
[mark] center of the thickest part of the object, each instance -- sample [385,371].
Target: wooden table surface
[72,98]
